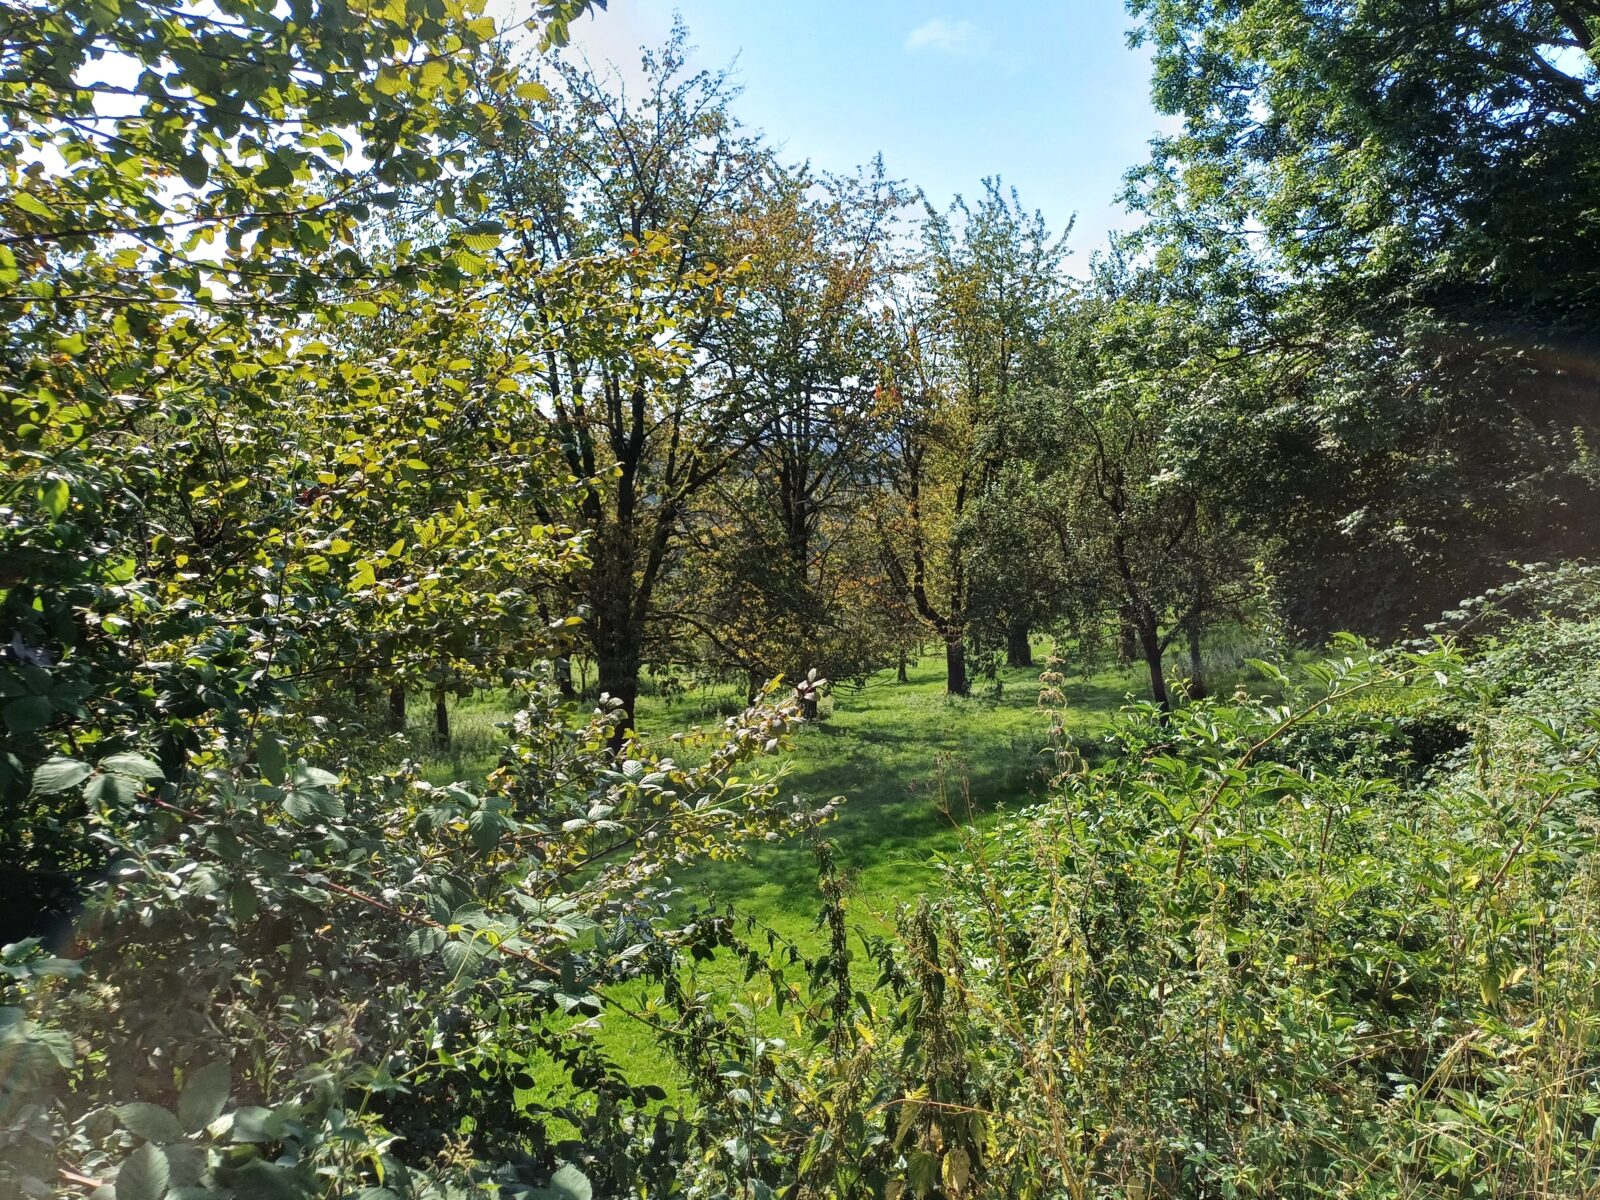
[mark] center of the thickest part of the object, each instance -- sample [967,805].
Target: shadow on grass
[912,764]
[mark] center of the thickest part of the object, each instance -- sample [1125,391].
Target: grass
[909,761]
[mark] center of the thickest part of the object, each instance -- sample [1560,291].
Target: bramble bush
[293,983]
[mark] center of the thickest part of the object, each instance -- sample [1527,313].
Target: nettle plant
[1228,962]
[1299,943]
[293,983]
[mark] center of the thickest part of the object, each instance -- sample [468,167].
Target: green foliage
[790,580]
[1403,360]
[340,353]
[215,499]
[351,978]
[1256,951]
[972,332]
[1373,140]
[642,411]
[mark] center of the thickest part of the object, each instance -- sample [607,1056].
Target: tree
[973,334]
[646,423]
[1356,178]
[788,580]
[1142,536]
[1021,580]
[191,473]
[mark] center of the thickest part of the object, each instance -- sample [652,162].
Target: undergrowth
[1335,935]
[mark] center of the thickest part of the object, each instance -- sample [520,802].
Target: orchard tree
[1021,578]
[973,334]
[645,415]
[790,580]
[1143,537]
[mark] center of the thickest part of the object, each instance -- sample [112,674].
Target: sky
[1044,93]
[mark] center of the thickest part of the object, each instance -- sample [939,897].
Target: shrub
[299,983]
[1246,957]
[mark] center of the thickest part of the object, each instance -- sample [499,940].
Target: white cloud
[948,37]
[960,39]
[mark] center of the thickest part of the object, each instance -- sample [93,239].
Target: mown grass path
[910,763]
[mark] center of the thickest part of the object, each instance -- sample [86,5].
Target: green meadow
[910,764]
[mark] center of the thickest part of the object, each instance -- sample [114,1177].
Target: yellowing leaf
[433,74]
[30,203]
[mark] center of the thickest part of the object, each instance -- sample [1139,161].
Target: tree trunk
[900,672]
[1127,638]
[1197,679]
[955,665]
[618,641]
[441,719]
[617,674]
[1150,640]
[1019,650]
[397,708]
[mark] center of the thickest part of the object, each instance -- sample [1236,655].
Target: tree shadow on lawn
[895,817]
[885,755]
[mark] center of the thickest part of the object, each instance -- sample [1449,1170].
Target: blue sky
[1045,93]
